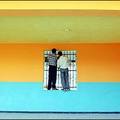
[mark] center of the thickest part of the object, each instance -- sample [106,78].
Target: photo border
[74,5]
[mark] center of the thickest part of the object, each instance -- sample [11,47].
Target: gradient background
[23,62]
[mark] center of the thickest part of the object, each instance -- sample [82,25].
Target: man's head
[54,51]
[60,53]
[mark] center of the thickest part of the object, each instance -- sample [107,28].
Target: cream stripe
[98,5]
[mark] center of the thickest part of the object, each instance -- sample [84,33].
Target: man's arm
[58,63]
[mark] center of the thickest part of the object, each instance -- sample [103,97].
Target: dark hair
[60,53]
[53,50]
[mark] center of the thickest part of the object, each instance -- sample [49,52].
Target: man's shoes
[66,89]
[48,88]
[54,89]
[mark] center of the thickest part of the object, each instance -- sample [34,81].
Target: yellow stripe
[98,5]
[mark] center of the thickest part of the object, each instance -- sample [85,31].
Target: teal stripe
[89,97]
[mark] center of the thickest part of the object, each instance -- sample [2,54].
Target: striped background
[95,62]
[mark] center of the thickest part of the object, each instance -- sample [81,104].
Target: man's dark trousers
[52,77]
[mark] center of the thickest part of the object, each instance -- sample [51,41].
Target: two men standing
[62,63]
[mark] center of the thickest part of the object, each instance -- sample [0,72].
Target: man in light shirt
[63,64]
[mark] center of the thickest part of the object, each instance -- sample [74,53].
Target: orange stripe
[95,62]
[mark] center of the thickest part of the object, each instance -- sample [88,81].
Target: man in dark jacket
[52,60]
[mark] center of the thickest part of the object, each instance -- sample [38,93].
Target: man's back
[52,59]
[63,62]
